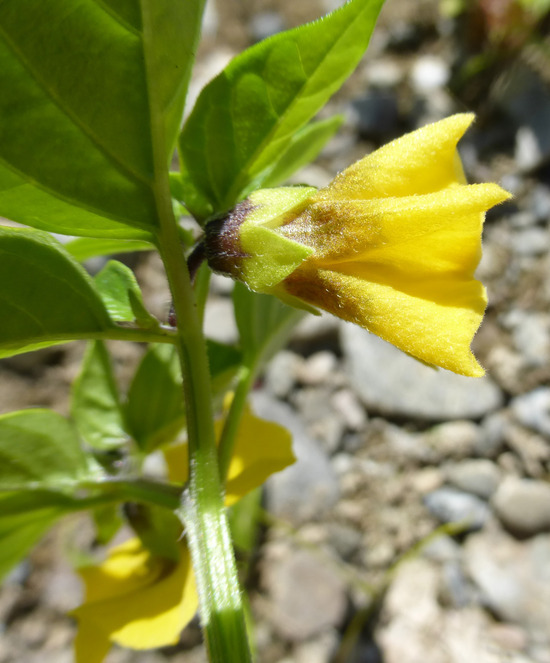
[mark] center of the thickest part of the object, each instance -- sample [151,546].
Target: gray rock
[375,114]
[428,73]
[391,382]
[442,549]
[383,72]
[308,488]
[514,579]
[492,434]
[477,476]
[454,439]
[409,446]
[540,202]
[264,24]
[527,99]
[455,589]
[315,328]
[523,506]
[530,241]
[528,152]
[353,414]
[522,220]
[415,628]
[533,410]
[344,539]
[450,505]
[219,321]
[317,368]
[280,375]
[307,596]
[323,422]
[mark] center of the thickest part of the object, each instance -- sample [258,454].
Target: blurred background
[415,527]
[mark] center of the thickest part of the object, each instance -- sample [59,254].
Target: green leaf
[264,324]
[19,533]
[46,297]
[303,149]
[38,449]
[121,295]
[95,406]
[247,116]
[154,409]
[76,147]
[85,248]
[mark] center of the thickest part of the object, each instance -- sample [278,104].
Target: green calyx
[246,244]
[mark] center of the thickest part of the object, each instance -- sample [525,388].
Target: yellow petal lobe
[136,600]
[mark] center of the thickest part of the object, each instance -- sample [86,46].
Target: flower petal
[355,229]
[432,321]
[151,616]
[262,448]
[128,568]
[423,161]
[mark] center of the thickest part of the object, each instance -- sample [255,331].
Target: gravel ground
[415,526]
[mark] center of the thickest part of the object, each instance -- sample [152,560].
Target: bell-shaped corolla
[391,244]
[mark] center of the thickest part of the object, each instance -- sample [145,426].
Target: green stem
[202,510]
[202,287]
[231,426]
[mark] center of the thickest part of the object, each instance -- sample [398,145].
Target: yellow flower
[391,244]
[261,449]
[135,599]
[140,600]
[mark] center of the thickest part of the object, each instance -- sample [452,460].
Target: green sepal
[271,257]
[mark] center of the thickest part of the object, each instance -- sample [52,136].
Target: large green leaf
[247,116]
[45,295]
[40,448]
[82,81]
[95,405]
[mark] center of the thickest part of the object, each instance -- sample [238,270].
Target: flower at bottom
[141,600]
[135,599]
[391,244]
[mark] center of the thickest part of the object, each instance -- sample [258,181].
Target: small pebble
[450,505]
[523,506]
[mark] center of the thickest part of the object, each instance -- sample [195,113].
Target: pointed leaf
[246,117]
[121,294]
[46,297]
[95,406]
[76,152]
